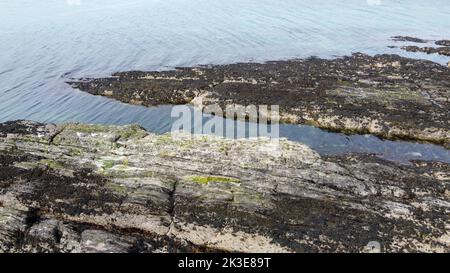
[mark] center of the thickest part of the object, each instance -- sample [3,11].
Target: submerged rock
[386,95]
[94,188]
[409,39]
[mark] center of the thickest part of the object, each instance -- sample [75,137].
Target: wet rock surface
[443,42]
[445,50]
[93,188]
[409,39]
[385,95]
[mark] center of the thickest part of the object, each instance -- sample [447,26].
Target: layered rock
[94,188]
[385,95]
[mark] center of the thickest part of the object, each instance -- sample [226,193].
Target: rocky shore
[386,95]
[94,188]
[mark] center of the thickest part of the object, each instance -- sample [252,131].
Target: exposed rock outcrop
[443,42]
[385,95]
[93,188]
[409,39]
[444,50]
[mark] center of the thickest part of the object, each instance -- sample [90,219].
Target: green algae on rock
[197,198]
[385,95]
[209,179]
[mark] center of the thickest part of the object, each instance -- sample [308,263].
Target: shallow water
[43,43]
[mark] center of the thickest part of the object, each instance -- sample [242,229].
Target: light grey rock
[98,241]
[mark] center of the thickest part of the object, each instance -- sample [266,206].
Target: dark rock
[445,51]
[409,39]
[443,42]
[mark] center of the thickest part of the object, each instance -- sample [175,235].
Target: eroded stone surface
[385,95]
[93,188]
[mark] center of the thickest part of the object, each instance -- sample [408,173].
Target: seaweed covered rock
[385,95]
[95,188]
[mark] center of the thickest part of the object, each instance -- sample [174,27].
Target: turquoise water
[43,43]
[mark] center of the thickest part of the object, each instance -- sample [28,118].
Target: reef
[443,42]
[445,50]
[98,188]
[386,95]
[409,39]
